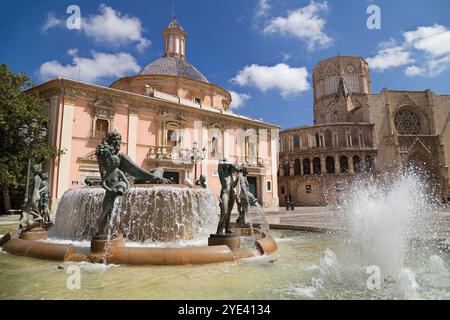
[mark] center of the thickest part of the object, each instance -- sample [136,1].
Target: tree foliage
[18,107]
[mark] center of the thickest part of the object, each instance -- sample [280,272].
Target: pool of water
[306,266]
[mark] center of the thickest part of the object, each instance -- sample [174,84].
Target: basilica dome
[173,66]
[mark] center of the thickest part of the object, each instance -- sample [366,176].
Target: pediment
[406,100]
[105,104]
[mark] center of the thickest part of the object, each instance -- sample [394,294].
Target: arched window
[407,122]
[328,138]
[173,134]
[317,136]
[342,138]
[215,137]
[355,137]
[297,167]
[296,142]
[305,143]
[331,84]
[357,163]
[286,169]
[214,145]
[330,165]
[172,139]
[343,161]
[352,80]
[306,166]
[101,128]
[316,166]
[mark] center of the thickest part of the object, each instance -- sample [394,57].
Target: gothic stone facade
[357,132]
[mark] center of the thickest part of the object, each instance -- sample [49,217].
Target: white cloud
[429,45]
[304,23]
[262,8]
[285,56]
[51,22]
[413,71]
[282,77]
[114,28]
[110,26]
[390,56]
[435,40]
[238,99]
[72,52]
[100,65]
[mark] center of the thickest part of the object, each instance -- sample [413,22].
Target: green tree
[17,108]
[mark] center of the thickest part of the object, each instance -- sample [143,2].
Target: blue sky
[262,50]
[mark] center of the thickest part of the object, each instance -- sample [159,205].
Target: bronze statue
[245,197]
[201,181]
[113,168]
[227,195]
[31,217]
[44,200]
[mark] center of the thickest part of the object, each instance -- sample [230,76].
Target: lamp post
[196,157]
[286,174]
[31,135]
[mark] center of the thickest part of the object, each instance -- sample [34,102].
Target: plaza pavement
[316,219]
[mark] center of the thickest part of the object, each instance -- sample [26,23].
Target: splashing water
[407,284]
[436,265]
[381,218]
[329,268]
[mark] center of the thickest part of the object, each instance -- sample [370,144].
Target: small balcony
[174,155]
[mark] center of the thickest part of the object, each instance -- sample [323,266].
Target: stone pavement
[323,219]
[7,219]
[318,219]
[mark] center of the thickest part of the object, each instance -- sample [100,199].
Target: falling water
[158,213]
[256,215]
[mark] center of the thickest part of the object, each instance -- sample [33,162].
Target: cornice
[93,92]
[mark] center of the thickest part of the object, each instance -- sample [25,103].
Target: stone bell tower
[341,85]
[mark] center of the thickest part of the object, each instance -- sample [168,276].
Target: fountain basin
[40,250]
[170,256]
[118,253]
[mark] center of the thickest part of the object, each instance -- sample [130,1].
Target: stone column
[337,163]
[132,132]
[323,164]
[204,143]
[52,133]
[66,145]
[226,144]
[351,169]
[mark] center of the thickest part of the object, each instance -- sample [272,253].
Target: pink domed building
[169,115]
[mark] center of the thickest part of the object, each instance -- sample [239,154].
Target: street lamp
[286,174]
[31,136]
[196,157]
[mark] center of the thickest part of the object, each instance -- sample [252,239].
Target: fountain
[389,226]
[136,206]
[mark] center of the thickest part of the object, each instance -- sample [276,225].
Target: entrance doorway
[174,176]
[252,186]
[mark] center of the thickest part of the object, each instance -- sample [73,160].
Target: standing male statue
[227,195]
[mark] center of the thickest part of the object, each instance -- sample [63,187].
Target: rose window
[407,122]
